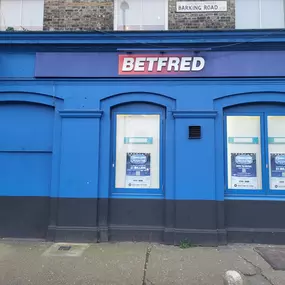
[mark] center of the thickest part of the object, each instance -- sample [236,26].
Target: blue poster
[277,162]
[243,168]
[138,170]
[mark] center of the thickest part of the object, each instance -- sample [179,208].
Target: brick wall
[75,15]
[86,15]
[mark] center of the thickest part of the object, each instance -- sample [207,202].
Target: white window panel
[272,14]
[137,130]
[10,14]
[153,14]
[129,14]
[22,14]
[33,14]
[140,14]
[259,14]
[276,151]
[244,153]
[247,14]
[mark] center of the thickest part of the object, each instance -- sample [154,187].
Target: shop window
[137,152]
[255,148]
[259,14]
[244,153]
[21,14]
[132,15]
[276,151]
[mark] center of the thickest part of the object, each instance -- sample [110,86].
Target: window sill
[123,195]
[260,197]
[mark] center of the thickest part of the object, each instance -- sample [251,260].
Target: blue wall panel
[25,174]
[198,171]
[17,64]
[79,158]
[26,127]
[26,132]
[194,161]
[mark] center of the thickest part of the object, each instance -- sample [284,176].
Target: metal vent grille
[194,132]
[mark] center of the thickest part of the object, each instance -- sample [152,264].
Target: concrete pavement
[38,263]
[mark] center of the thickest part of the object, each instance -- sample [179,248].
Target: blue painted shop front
[71,134]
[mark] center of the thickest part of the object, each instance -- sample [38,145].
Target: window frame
[243,191]
[115,21]
[266,115]
[138,192]
[264,151]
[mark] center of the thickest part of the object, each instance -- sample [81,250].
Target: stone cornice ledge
[81,113]
[147,37]
[194,114]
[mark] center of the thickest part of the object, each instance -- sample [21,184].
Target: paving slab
[197,265]
[248,253]
[257,280]
[275,256]
[275,277]
[5,249]
[101,264]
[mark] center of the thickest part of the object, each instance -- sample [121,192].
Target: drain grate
[63,247]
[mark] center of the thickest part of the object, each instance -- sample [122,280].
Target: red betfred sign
[159,64]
